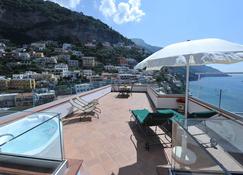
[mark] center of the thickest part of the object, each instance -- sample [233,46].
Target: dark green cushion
[166,111]
[141,114]
[203,114]
[176,116]
[147,118]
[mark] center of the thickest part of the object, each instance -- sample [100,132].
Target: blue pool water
[208,88]
[31,142]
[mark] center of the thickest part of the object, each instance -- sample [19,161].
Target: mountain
[146,46]
[195,70]
[25,21]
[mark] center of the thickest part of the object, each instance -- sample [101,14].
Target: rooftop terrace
[106,144]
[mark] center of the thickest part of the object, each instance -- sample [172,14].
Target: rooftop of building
[113,144]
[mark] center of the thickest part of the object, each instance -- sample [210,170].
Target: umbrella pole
[181,153]
[187,85]
[185,155]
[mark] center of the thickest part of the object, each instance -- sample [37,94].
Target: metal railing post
[61,136]
[220,97]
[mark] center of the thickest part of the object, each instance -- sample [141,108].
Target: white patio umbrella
[194,52]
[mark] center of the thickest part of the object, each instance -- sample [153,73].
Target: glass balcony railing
[208,146]
[227,99]
[35,135]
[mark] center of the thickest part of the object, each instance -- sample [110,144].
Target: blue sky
[162,22]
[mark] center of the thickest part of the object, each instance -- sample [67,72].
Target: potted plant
[181,104]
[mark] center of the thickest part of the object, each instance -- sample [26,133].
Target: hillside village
[39,72]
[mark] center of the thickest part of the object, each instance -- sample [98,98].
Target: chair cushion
[141,114]
[203,114]
[176,116]
[166,112]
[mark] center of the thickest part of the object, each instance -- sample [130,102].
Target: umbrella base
[183,155]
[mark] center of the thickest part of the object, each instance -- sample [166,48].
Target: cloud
[123,12]
[108,7]
[68,3]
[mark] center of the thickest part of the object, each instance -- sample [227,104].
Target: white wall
[135,88]
[62,106]
[139,88]
[152,96]
[194,107]
[163,101]
[169,103]
[66,108]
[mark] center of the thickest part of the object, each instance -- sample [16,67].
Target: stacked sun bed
[163,119]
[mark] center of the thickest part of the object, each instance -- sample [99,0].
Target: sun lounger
[90,105]
[194,119]
[147,118]
[144,119]
[194,115]
[93,103]
[202,114]
[85,110]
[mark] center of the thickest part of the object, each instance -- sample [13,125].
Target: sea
[208,89]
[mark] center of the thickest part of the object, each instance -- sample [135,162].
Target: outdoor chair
[194,119]
[131,89]
[124,90]
[87,105]
[144,119]
[85,110]
[92,103]
[194,115]
[202,114]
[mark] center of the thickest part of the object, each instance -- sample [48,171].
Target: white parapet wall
[61,106]
[195,106]
[163,101]
[66,108]
[135,88]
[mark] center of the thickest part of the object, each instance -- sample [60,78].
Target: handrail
[224,113]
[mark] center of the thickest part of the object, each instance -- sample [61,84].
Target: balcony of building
[111,141]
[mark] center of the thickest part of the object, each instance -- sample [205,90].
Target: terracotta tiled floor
[106,145]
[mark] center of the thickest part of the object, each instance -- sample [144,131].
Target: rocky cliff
[25,21]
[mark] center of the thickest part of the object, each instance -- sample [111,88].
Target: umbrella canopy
[197,52]
[201,52]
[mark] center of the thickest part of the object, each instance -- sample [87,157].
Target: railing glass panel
[188,155]
[35,135]
[212,145]
[226,96]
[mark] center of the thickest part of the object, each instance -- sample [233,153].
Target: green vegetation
[7,67]
[24,21]
[109,55]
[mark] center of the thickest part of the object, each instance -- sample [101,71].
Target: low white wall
[152,96]
[163,101]
[61,106]
[167,102]
[135,88]
[194,107]
[139,88]
[66,108]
